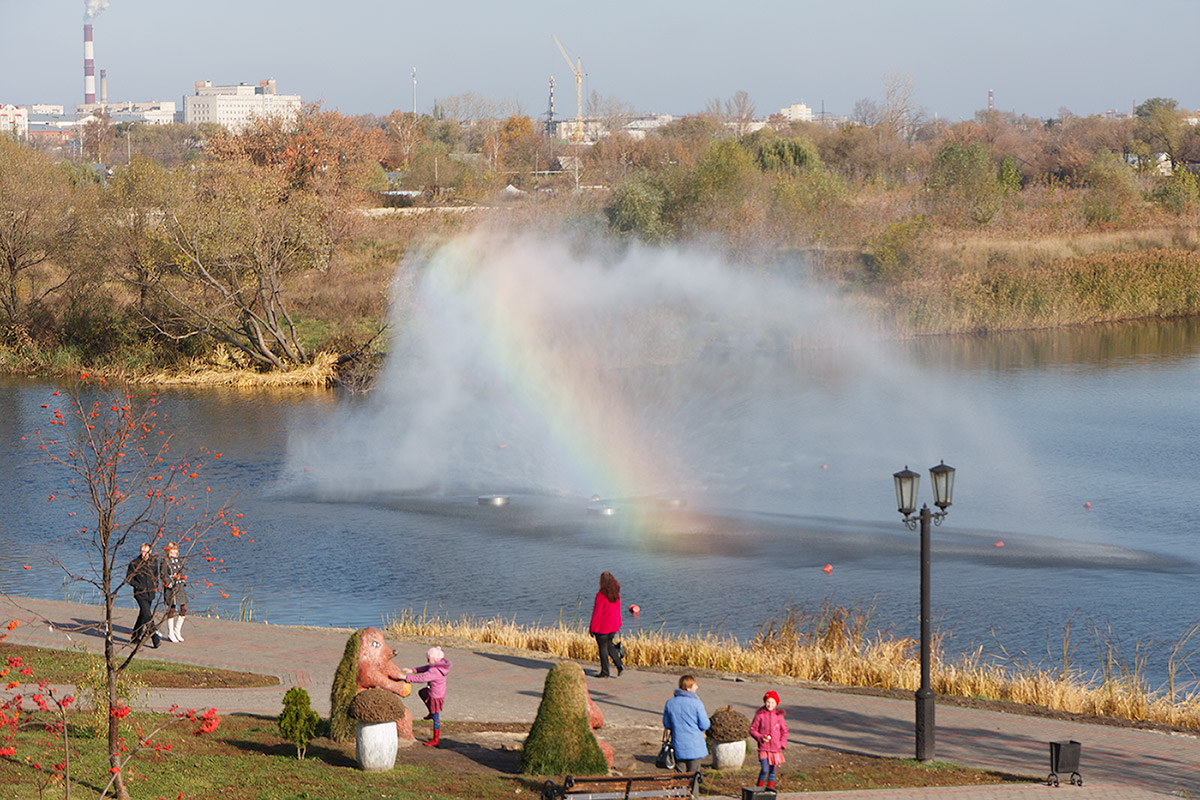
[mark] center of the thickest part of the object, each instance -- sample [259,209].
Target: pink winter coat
[769,723]
[606,615]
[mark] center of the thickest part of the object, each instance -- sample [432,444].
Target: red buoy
[635,609]
[827,569]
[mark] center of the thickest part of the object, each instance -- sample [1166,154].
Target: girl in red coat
[606,621]
[771,732]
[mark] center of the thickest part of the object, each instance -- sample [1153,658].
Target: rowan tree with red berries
[128,484]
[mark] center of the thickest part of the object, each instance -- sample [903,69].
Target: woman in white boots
[175,594]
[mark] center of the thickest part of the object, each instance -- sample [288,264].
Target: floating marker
[635,609]
[999,544]
[824,466]
[827,569]
[493,500]
[1088,504]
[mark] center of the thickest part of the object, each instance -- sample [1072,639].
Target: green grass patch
[69,666]
[247,759]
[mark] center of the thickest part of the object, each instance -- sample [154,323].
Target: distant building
[14,120]
[797,112]
[235,106]
[154,112]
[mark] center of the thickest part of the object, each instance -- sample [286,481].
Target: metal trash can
[757,793]
[1064,757]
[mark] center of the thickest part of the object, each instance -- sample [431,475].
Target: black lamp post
[906,497]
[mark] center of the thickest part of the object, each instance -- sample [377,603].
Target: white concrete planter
[729,755]
[375,746]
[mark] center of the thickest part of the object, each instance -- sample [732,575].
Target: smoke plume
[92,8]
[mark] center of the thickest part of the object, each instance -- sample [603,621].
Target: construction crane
[577,69]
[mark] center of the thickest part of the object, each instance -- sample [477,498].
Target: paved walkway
[1117,763]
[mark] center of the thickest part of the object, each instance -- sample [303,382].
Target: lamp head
[943,485]
[906,490]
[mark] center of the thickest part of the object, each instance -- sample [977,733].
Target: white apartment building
[14,120]
[797,112]
[235,106]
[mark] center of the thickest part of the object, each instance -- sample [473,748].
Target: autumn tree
[1159,123]
[41,220]
[237,235]
[315,149]
[132,207]
[404,133]
[126,487]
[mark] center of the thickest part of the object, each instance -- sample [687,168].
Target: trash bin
[1064,757]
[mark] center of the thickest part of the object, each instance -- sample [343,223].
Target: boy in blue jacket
[684,716]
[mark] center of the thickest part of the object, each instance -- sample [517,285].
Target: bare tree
[739,109]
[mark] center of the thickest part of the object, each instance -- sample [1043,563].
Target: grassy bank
[246,759]
[1099,287]
[837,645]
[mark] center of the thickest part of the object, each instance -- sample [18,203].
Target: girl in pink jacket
[771,732]
[434,694]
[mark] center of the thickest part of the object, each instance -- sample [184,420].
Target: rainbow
[513,308]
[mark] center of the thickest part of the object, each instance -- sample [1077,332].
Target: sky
[664,56]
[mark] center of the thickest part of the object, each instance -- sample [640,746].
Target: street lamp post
[906,497]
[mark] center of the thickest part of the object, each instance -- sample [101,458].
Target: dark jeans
[142,629]
[604,643]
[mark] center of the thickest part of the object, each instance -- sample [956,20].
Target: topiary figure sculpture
[561,739]
[366,664]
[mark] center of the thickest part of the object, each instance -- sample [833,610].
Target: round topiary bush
[376,705]
[727,725]
[561,739]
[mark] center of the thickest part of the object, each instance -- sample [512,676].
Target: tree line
[201,236]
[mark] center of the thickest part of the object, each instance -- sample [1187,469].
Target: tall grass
[834,644]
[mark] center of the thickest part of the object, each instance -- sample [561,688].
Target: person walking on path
[144,574]
[175,593]
[770,730]
[606,621]
[685,717]
[434,694]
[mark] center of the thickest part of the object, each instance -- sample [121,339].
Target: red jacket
[769,723]
[606,615]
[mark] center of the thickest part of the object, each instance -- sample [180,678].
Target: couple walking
[146,574]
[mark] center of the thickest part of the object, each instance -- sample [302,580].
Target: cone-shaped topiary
[561,740]
[727,725]
[345,687]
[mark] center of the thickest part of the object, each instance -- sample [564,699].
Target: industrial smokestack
[89,67]
[103,87]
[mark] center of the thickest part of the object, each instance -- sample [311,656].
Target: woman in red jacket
[606,621]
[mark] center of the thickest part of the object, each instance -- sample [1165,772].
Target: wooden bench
[683,784]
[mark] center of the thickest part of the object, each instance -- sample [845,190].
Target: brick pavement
[1117,763]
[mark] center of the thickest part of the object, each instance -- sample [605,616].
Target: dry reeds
[834,644]
[220,371]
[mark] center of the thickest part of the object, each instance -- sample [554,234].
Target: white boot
[171,637]
[179,628]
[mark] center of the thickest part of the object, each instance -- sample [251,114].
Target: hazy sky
[657,55]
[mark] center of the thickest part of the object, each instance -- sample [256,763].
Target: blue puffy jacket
[685,717]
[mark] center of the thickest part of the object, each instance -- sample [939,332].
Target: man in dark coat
[144,574]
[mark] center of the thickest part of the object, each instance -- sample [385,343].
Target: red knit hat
[774,695]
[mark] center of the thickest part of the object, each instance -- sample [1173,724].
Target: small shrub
[298,723]
[93,691]
[561,739]
[727,725]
